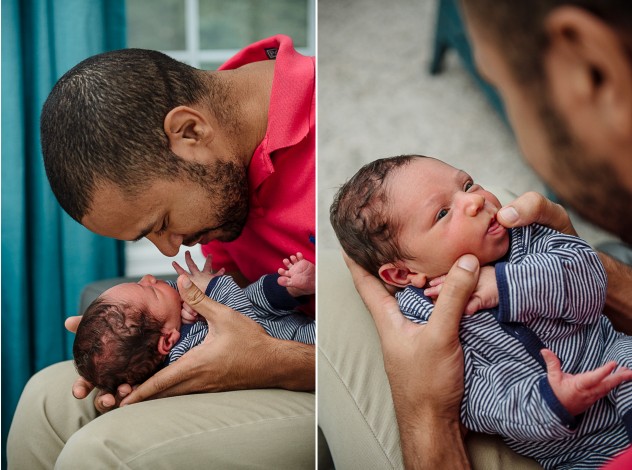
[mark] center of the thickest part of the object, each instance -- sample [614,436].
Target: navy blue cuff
[556,407]
[504,307]
[278,296]
[210,286]
[627,422]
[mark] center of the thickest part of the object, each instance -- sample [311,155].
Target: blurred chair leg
[441,40]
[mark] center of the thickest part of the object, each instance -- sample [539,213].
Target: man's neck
[249,90]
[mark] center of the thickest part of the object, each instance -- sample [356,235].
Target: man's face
[585,180]
[173,213]
[442,215]
[156,297]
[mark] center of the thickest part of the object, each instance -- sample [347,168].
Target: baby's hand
[188,314]
[484,296]
[199,278]
[298,276]
[579,392]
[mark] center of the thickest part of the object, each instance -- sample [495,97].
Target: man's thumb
[189,291]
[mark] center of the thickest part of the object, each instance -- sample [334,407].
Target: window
[204,34]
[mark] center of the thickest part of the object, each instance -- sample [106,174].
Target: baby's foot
[300,276]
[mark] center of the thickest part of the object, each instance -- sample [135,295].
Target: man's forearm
[619,293]
[292,366]
[432,443]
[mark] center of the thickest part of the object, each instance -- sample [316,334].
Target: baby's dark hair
[116,344]
[361,218]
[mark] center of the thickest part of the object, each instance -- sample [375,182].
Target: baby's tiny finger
[178,268]
[299,256]
[208,264]
[437,281]
[190,263]
[472,306]
[432,291]
[287,263]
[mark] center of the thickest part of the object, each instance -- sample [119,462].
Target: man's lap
[355,407]
[267,428]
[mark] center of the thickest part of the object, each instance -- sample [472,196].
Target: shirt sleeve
[274,309]
[561,277]
[525,410]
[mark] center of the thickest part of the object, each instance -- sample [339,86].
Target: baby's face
[442,215]
[157,297]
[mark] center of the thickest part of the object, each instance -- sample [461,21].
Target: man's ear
[188,131]
[167,341]
[589,75]
[401,276]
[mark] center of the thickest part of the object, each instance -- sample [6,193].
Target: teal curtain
[47,258]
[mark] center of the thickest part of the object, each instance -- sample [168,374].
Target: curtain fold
[47,257]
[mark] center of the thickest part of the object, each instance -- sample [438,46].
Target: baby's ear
[167,341]
[401,276]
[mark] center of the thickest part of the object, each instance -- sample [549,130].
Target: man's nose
[168,244]
[470,203]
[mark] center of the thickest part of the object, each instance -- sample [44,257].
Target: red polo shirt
[281,174]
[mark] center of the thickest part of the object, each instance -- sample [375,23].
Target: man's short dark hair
[116,344]
[361,217]
[104,122]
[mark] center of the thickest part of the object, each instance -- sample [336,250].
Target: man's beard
[226,184]
[588,183]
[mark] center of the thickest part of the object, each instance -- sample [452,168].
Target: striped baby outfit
[264,301]
[551,294]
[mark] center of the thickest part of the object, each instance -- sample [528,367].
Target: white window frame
[194,56]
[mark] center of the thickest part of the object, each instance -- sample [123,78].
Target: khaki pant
[245,429]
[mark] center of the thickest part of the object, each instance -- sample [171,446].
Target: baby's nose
[473,203]
[147,279]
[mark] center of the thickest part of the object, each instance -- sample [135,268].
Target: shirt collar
[292,95]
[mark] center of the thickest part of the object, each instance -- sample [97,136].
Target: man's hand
[424,365]
[485,294]
[200,278]
[533,208]
[579,392]
[103,402]
[236,354]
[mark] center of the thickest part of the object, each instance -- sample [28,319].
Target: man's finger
[104,402]
[160,384]
[72,323]
[199,302]
[81,388]
[382,305]
[455,293]
[532,208]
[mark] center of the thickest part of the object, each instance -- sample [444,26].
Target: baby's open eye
[442,213]
[468,185]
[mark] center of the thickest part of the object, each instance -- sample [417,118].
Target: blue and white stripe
[552,293]
[254,303]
